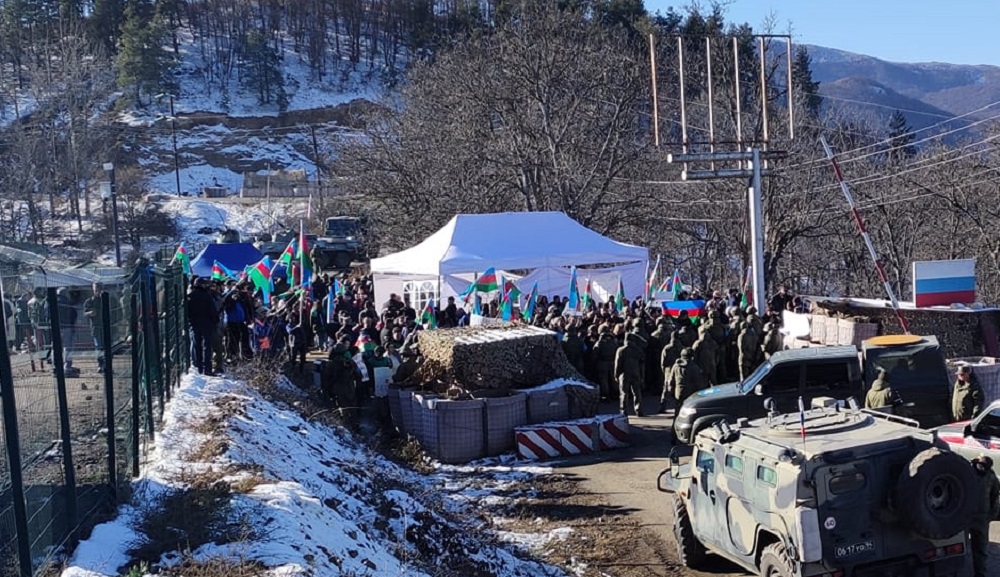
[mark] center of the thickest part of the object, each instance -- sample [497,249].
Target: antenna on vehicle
[853,403]
[771,407]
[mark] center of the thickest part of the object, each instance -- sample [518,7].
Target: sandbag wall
[458,431]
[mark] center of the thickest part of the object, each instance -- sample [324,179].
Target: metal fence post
[67,442]
[136,355]
[13,439]
[109,390]
[157,340]
[148,353]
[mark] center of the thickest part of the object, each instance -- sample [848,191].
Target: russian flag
[944,282]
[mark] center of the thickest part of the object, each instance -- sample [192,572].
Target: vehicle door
[845,496]
[983,436]
[704,498]
[737,513]
[831,379]
[783,384]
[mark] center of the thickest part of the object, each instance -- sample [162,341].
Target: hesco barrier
[83,380]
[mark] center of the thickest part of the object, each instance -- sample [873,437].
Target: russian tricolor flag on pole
[944,282]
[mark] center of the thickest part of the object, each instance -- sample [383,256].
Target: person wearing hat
[967,395]
[986,511]
[338,381]
[880,395]
[685,379]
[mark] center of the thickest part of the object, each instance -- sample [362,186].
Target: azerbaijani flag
[574,293]
[305,262]
[693,308]
[587,297]
[675,284]
[487,282]
[181,254]
[260,276]
[747,299]
[220,272]
[289,254]
[512,290]
[429,316]
[651,281]
[620,296]
[529,309]
[507,308]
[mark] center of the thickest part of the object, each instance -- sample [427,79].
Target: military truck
[344,241]
[830,491]
[915,367]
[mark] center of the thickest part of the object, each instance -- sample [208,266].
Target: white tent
[446,261]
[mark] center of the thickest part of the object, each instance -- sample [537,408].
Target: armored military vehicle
[831,491]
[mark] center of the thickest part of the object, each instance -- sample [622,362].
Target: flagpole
[302,273]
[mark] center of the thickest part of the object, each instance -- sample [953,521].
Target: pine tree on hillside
[900,137]
[262,66]
[143,63]
[105,22]
[802,81]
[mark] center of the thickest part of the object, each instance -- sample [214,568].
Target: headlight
[686,412]
[350,238]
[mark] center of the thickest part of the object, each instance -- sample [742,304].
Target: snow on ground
[194,214]
[325,505]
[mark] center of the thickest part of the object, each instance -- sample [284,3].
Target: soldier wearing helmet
[986,511]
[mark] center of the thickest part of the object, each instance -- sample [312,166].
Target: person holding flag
[529,309]
[573,302]
[428,317]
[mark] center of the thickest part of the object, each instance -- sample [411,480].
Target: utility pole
[173,138]
[109,169]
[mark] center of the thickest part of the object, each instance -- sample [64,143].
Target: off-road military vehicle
[915,367]
[825,492]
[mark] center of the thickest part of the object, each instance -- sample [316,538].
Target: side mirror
[674,459]
[759,390]
[968,431]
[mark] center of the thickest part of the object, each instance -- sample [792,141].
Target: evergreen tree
[105,22]
[900,137]
[262,65]
[143,63]
[803,83]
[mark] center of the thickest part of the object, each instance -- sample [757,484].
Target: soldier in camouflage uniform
[628,372]
[572,345]
[657,340]
[747,343]
[880,395]
[687,333]
[604,350]
[772,340]
[685,378]
[706,355]
[755,321]
[967,395]
[986,511]
[339,382]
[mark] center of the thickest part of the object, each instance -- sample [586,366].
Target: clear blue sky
[955,31]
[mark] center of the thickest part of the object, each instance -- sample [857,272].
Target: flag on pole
[477,305]
[507,308]
[288,255]
[260,276]
[220,272]
[331,299]
[675,285]
[574,293]
[747,299]
[305,261]
[181,254]
[510,288]
[587,297]
[529,309]
[651,281]
[802,418]
[485,283]
[620,296]
[428,317]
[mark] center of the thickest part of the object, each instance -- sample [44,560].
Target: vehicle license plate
[854,549]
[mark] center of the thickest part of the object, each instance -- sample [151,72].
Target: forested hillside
[479,106]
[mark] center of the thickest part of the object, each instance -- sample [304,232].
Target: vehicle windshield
[337,227]
[747,385]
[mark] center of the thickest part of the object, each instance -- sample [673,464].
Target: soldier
[986,511]
[880,395]
[657,340]
[772,340]
[687,334]
[755,321]
[605,349]
[747,345]
[685,378]
[628,372]
[706,354]
[339,382]
[572,345]
[967,398]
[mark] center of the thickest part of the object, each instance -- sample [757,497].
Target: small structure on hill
[277,184]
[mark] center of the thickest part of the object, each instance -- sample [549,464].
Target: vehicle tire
[775,562]
[690,552]
[341,260]
[935,494]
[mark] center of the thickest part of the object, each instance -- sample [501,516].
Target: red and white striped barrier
[565,438]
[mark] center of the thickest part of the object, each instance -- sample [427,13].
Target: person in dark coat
[203,318]
[987,510]
[967,395]
[628,371]
[339,382]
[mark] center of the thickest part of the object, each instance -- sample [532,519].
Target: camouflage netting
[498,357]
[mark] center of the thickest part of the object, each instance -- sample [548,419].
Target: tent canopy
[233,255]
[509,240]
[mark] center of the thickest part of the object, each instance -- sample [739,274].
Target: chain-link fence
[84,376]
